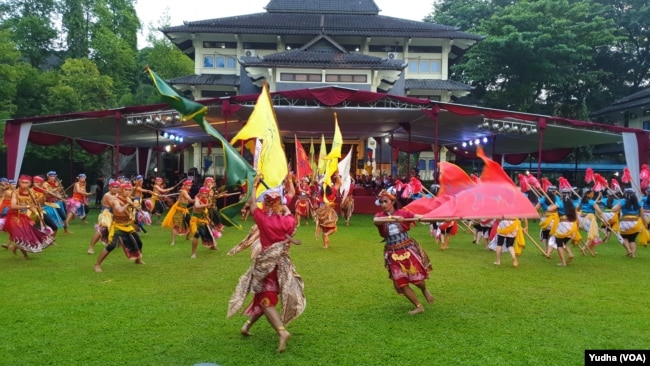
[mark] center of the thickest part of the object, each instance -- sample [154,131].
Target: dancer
[567,229]
[303,203]
[78,204]
[511,234]
[633,229]
[157,205]
[347,205]
[178,218]
[105,218]
[122,231]
[406,261]
[272,275]
[56,197]
[326,216]
[588,210]
[549,220]
[20,221]
[200,222]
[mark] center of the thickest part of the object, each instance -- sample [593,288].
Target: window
[346,78]
[425,67]
[310,78]
[208,61]
[219,62]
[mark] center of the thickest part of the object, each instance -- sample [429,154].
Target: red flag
[303,168]
[589,175]
[564,184]
[600,183]
[453,179]
[485,200]
[523,183]
[546,183]
[627,177]
[615,185]
[492,172]
[533,182]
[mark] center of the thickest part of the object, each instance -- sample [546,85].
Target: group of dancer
[33,209]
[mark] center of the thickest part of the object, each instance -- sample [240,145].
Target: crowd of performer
[34,210]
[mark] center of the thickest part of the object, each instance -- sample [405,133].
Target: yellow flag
[263,125]
[337,143]
[322,156]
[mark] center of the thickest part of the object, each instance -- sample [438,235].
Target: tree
[538,56]
[114,43]
[9,75]
[76,21]
[79,87]
[32,28]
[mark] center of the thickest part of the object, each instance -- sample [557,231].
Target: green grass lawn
[55,310]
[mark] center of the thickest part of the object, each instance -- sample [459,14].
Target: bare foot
[561,264]
[515,262]
[418,309]
[284,337]
[172,243]
[429,297]
[139,261]
[570,259]
[246,329]
[98,268]
[497,263]
[193,256]
[91,251]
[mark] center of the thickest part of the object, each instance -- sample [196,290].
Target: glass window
[424,66]
[331,78]
[436,66]
[230,63]
[220,62]
[422,164]
[413,67]
[208,61]
[360,78]
[301,77]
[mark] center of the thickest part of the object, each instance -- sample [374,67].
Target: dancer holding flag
[326,216]
[271,276]
[406,261]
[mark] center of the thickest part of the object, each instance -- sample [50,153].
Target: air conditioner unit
[393,55]
[250,53]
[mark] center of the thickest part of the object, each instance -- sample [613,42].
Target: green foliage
[538,56]
[9,75]
[114,44]
[80,87]
[172,311]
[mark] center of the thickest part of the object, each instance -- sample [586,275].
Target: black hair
[631,201]
[569,207]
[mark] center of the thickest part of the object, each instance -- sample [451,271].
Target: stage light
[485,140]
[464,144]
[165,135]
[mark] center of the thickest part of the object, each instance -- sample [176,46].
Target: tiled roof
[638,99]
[434,84]
[322,59]
[323,6]
[330,24]
[207,79]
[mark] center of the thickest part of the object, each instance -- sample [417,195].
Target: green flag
[237,170]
